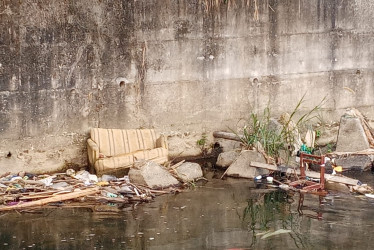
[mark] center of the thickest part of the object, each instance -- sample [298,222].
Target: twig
[224,173]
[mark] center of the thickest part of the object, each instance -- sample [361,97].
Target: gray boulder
[328,135]
[152,175]
[189,171]
[356,162]
[225,159]
[241,167]
[275,126]
[228,145]
[351,137]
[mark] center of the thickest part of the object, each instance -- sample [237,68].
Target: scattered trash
[258,177]
[269,179]
[304,148]
[86,177]
[111,195]
[370,195]
[46,181]
[108,178]
[338,169]
[70,172]
[285,187]
[24,191]
[59,185]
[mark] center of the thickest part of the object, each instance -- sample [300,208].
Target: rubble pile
[25,190]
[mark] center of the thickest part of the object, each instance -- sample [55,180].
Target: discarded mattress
[114,149]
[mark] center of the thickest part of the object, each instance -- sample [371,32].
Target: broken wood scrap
[62,197]
[177,164]
[311,174]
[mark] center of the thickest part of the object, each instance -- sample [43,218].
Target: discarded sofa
[110,150]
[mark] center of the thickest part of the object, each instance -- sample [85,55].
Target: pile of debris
[27,191]
[354,151]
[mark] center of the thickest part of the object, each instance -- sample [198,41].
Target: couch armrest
[162,142]
[93,152]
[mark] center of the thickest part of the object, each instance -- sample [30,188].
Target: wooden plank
[56,198]
[312,174]
[369,151]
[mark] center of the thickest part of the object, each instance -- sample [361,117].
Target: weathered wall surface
[180,66]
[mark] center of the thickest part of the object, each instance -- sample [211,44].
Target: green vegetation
[258,132]
[329,147]
[260,135]
[202,143]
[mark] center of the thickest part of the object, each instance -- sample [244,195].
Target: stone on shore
[189,171]
[241,166]
[225,159]
[152,175]
[355,162]
[351,137]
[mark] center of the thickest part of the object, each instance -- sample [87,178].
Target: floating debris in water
[280,231]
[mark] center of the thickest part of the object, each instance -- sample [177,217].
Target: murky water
[222,214]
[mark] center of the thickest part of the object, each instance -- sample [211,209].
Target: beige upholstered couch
[114,149]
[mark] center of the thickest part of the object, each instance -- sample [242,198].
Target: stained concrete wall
[181,66]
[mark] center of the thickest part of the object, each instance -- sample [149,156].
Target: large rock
[351,137]
[225,159]
[241,166]
[328,135]
[227,145]
[189,171]
[275,126]
[357,162]
[152,175]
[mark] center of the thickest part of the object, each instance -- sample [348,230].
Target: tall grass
[259,134]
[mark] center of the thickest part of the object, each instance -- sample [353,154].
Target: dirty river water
[220,214]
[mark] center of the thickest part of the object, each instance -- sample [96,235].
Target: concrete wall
[181,66]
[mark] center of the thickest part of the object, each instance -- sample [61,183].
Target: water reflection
[316,213]
[272,212]
[218,215]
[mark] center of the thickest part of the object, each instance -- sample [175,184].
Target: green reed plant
[258,132]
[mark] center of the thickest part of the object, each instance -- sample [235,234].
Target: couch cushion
[151,154]
[114,142]
[108,164]
[112,163]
